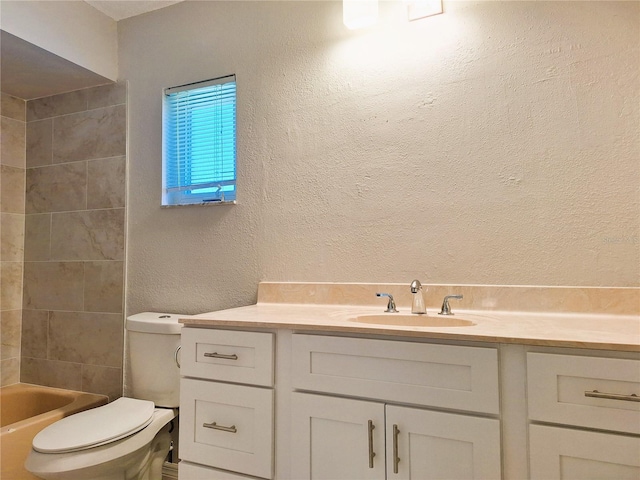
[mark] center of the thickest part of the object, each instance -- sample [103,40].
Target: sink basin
[413,320]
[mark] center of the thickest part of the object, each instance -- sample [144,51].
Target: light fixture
[417,9]
[359,13]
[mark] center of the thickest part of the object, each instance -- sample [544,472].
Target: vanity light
[417,9]
[359,13]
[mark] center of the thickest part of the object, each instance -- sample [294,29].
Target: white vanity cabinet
[381,437]
[226,404]
[575,393]
[346,406]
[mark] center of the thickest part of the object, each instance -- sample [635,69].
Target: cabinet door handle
[371,452]
[396,458]
[221,355]
[612,396]
[215,426]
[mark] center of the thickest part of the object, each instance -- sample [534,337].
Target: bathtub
[27,409]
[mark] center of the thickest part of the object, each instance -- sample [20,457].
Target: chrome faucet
[391,306]
[446,309]
[418,300]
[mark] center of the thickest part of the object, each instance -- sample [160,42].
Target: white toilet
[128,438]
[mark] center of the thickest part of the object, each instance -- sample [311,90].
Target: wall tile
[90,338]
[106,95]
[53,285]
[98,133]
[103,286]
[10,334]
[13,107]
[11,291]
[56,188]
[63,344]
[12,183]
[35,327]
[102,380]
[39,143]
[11,237]
[51,373]
[106,183]
[37,237]
[9,371]
[12,142]
[62,104]
[88,235]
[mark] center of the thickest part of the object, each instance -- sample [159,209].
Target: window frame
[180,194]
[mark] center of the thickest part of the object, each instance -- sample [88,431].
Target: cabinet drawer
[191,471]
[566,454]
[239,357]
[448,376]
[560,390]
[227,426]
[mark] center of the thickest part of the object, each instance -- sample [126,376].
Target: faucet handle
[446,309]
[391,306]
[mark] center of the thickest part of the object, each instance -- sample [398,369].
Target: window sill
[202,204]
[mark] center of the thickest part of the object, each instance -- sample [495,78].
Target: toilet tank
[152,341]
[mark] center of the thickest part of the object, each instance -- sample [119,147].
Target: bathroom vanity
[289,390]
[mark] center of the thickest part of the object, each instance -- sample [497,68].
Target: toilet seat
[95,427]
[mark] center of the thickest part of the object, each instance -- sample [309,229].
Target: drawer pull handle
[371,452]
[215,426]
[221,355]
[613,396]
[396,458]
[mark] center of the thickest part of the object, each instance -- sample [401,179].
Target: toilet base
[152,468]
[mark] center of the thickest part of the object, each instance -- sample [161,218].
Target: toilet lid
[91,428]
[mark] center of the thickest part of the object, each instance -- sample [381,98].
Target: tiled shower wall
[72,319]
[12,173]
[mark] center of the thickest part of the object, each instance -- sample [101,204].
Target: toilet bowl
[127,439]
[138,456]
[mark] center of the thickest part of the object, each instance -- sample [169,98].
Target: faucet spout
[418,300]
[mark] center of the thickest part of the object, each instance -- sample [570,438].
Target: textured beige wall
[494,144]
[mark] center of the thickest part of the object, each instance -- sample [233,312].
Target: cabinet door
[563,453]
[424,445]
[336,438]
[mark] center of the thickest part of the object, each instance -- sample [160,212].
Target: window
[199,140]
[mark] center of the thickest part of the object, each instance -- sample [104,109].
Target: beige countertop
[596,331]
[605,318]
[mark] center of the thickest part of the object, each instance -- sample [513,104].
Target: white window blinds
[199,136]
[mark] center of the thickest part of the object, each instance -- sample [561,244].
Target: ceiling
[119,10]
[29,71]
